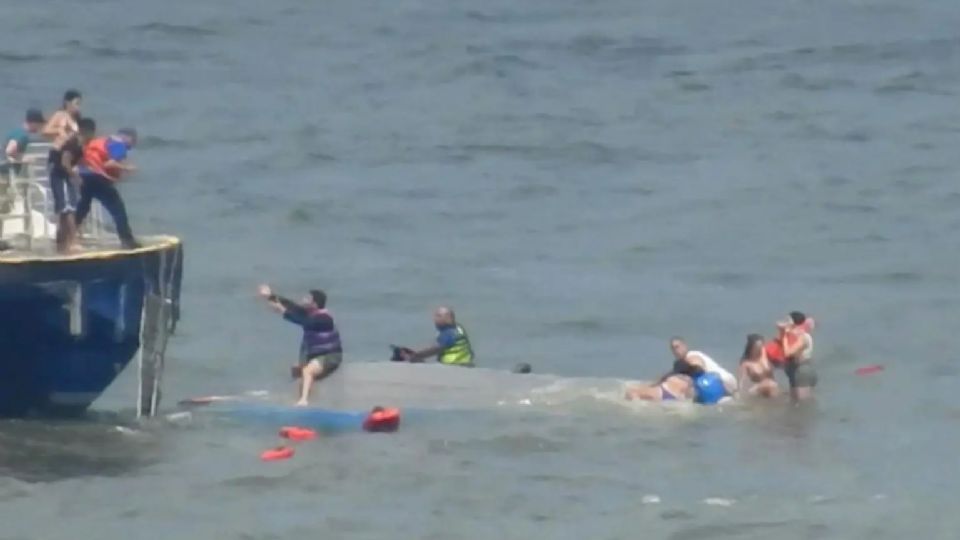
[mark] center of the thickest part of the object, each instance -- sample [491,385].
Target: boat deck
[102,247]
[28,226]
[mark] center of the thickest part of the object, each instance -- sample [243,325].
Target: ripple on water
[735,530]
[178,31]
[19,58]
[914,81]
[797,81]
[905,277]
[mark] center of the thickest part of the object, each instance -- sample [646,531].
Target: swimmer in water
[672,387]
[756,372]
[688,382]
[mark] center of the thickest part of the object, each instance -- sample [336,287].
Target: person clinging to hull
[685,382]
[681,352]
[452,348]
[693,376]
[321,350]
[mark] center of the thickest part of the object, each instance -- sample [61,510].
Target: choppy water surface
[581,180]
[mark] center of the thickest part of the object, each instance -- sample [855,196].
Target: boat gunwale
[156,243]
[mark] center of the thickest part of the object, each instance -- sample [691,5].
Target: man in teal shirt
[15,144]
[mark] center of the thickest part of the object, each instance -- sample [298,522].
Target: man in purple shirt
[321,351]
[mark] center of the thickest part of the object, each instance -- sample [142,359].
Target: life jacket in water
[775,347]
[320,342]
[382,419]
[460,353]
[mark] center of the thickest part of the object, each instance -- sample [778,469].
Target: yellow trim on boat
[151,243]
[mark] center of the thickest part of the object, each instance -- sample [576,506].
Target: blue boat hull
[70,325]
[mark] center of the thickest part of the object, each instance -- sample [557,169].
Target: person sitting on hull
[321,351]
[452,348]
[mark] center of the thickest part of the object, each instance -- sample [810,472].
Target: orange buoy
[382,419]
[277,454]
[295,433]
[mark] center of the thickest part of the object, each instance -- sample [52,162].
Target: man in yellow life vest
[453,345]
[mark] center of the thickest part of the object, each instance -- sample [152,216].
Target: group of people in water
[82,167]
[694,376]
[697,377]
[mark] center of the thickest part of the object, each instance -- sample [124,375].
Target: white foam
[719,501]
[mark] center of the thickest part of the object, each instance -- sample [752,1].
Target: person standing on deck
[62,125]
[15,143]
[321,350]
[104,164]
[453,346]
[65,153]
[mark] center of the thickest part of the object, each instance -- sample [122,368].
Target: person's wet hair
[752,340]
[683,367]
[71,95]
[319,298]
[798,317]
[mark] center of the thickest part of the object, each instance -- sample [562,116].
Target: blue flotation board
[709,389]
[326,420]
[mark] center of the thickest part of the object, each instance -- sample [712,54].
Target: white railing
[26,201]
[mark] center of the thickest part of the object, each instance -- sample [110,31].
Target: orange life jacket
[95,158]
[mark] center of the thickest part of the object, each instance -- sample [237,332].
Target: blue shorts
[65,194]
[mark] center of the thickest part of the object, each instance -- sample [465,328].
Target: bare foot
[302,403]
